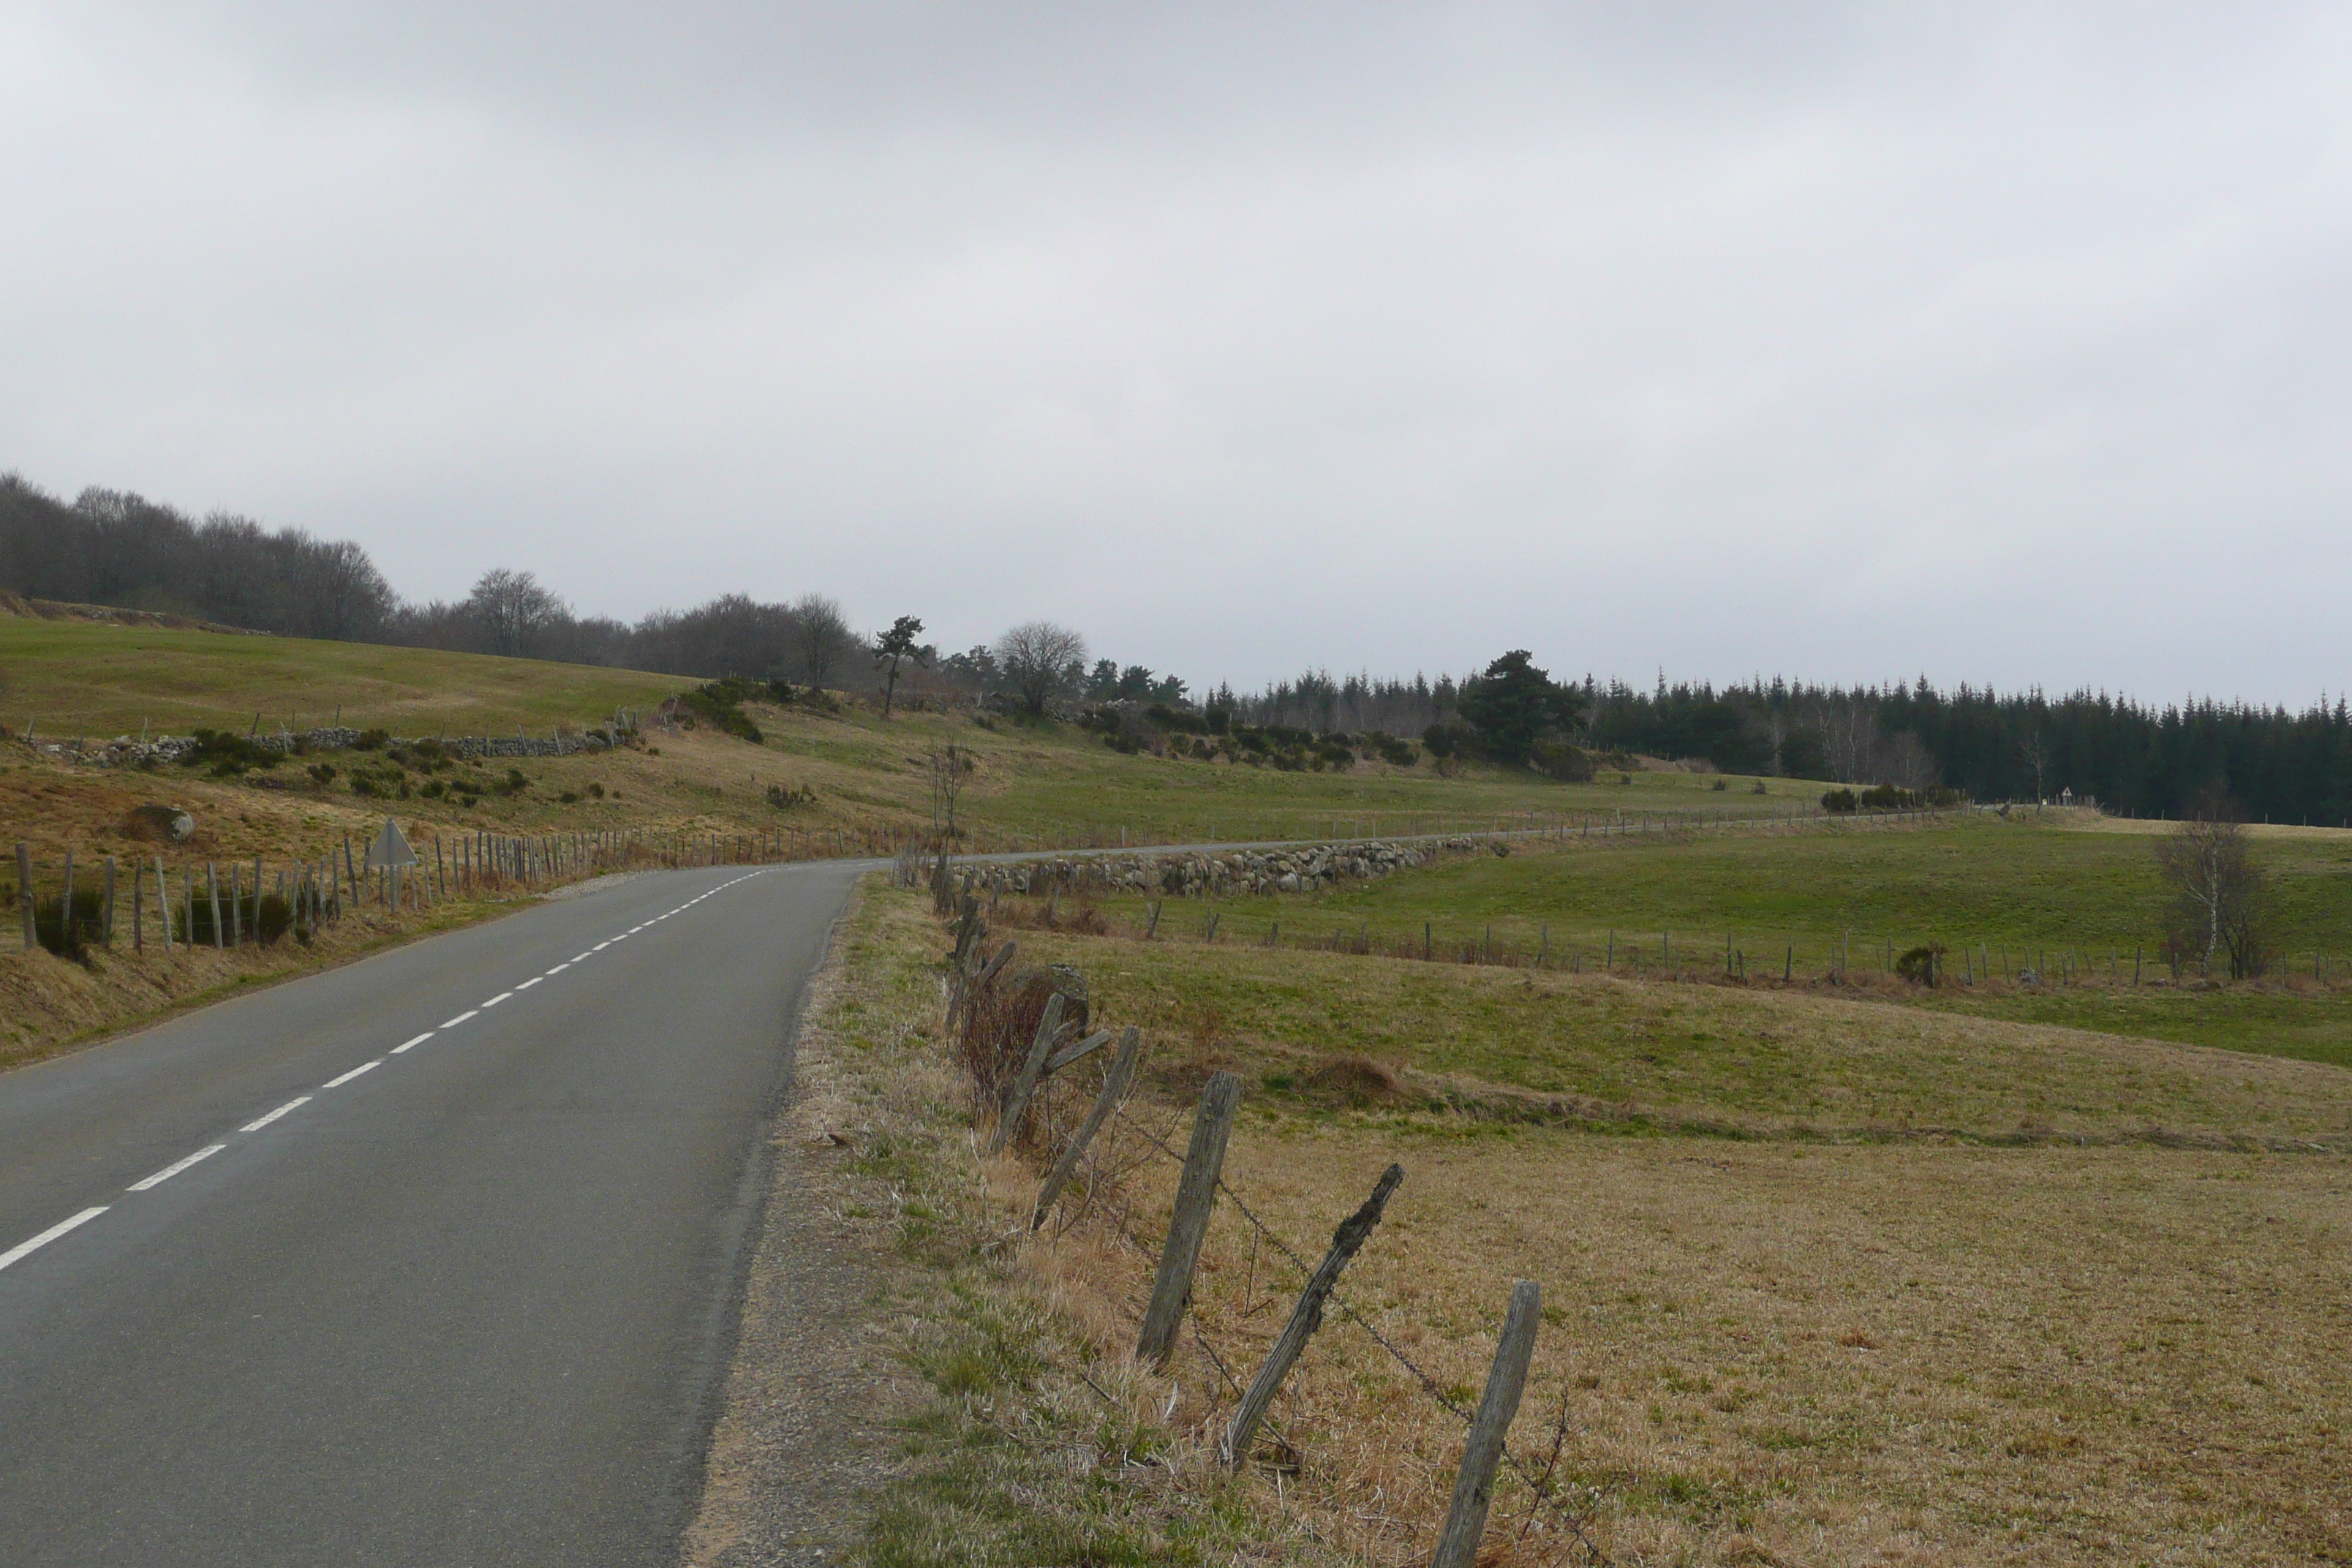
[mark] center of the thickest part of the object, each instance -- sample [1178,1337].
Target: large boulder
[159,824]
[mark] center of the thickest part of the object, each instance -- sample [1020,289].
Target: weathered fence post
[1114,1089]
[1305,1317]
[1473,1484]
[212,892]
[1049,1025]
[67,944]
[1188,1228]
[24,891]
[108,918]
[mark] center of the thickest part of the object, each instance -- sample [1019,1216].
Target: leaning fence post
[1473,1484]
[1188,1228]
[1049,1025]
[1305,1317]
[1114,1089]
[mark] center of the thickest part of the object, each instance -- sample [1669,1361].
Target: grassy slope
[2017,886]
[88,678]
[82,678]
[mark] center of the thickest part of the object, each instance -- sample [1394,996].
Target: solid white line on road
[366,1066]
[168,1172]
[290,1105]
[561,968]
[407,1044]
[497,999]
[532,981]
[461,1018]
[23,1248]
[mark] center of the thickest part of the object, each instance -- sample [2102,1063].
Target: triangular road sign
[391,847]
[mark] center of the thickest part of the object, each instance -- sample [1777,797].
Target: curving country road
[428,1259]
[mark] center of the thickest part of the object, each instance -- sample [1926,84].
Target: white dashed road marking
[48,1235]
[363,1067]
[258,1125]
[461,1018]
[407,1045]
[168,1172]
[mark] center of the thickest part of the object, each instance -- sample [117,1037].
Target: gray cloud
[2003,343]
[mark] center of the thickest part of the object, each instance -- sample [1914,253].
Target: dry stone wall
[1299,868]
[124,752]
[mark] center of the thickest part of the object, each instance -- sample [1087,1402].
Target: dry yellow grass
[1803,1355]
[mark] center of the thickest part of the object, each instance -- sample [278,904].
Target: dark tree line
[111,548]
[107,547]
[2131,757]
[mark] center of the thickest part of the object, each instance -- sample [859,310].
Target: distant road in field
[429,1259]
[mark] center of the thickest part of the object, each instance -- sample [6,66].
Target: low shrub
[1920,965]
[1563,761]
[1447,741]
[265,916]
[68,937]
[720,703]
[228,755]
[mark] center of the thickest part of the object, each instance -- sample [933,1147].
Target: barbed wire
[1539,1486]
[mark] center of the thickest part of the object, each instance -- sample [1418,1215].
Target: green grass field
[81,677]
[2048,892]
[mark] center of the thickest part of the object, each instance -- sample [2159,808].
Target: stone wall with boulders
[124,752]
[1300,869]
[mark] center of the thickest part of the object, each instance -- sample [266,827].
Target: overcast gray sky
[2000,343]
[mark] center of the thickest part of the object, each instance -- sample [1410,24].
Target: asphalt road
[452,1281]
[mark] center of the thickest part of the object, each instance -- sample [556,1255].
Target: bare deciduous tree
[2221,902]
[2035,751]
[951,767]
[512,608]
[823,635]
[1039,659]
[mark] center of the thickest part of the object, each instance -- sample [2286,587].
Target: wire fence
[1018,1033]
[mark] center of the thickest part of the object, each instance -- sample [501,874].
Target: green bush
[1564,760]
[1449,739]
[1838,802]
[721,701]
[1920,965]
[68,938]
[265,916]
[372,739]
[227,754]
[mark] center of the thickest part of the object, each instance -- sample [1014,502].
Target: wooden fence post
[24,890]
[66,925]
[1305,1317]
[212,892]
[1049,1025]
[109,916]
[164,903]
[1114,1089]
[138,904]
[1188,1228]
[1473,1484]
